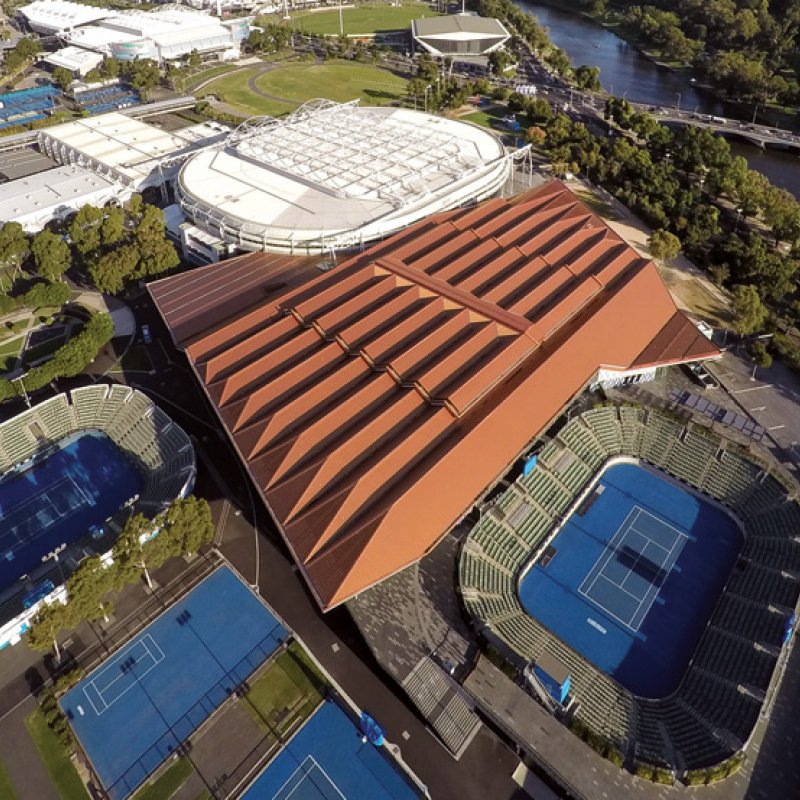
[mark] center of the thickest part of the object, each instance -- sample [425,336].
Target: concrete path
[28,774]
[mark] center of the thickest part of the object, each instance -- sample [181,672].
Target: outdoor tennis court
[633,580]
[137,708]
[57,500]
[326,760]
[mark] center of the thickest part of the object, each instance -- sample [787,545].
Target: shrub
[644,771]
[663,776]
[696,777]
[615,757]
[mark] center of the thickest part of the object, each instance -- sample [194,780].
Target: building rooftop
[49,190]
[374,404]
[459,24]
[74,58]
[337,173]
[60,14]
[127,148]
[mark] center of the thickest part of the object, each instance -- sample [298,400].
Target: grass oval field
[340,81]
[364,20]
[286,87]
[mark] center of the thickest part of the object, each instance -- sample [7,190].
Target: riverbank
[770,114]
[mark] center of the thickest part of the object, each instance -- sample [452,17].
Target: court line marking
[156,656]
[306,772]
[19,528]
[612,548]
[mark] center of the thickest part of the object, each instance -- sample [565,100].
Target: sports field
[327,760]
[360,20]
[59,499]
[633,577]
[278,91]
[137,708]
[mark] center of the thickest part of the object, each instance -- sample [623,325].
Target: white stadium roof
[127,150]
[51,16]
[337,176]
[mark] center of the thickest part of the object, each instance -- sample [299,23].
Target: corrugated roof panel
[364,475]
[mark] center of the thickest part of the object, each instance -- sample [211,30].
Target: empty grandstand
[27,105]
[337,176]
[107,98]
[99,453]
[721,691]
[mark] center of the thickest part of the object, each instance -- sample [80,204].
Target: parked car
[701,376]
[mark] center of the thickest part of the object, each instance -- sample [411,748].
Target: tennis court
[138,707]
[626,578]
[59,499]
[632,581]
[327,760]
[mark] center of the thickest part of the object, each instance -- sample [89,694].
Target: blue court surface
[632,582]
[326,760]
[59,499]
[136,708]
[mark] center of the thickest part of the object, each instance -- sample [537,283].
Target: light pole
[53,555]
[755,111]
[678,106]
[738,217]
[427,89]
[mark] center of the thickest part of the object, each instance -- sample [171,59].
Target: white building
[54,194]
[164,34]
[54,16]
[128,151]
[459,35]
[337,176]
[77,60]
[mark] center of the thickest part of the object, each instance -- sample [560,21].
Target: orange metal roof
[375,403]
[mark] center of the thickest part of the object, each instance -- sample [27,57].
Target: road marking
[759,408]
[753,388]
[776,427]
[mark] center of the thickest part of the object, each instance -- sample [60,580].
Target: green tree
[588,78]
[62,77]
[112,229]
[748,309]
[51,254]
[14,246]
[110,270]
[85,227]
[664,246]
[50,620]
[128,551]
[760,355]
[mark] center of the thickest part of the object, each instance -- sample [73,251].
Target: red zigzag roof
[375,403]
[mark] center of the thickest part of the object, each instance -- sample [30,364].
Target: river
[624,71]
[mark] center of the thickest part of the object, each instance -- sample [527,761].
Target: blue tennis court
[135,709]
[327,760]
[632,580]
[59,499]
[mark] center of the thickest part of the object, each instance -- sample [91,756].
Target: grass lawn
[6,789]
[167,783]
[364,19]
[293,84]
[285,692]
[233,90]
[9,350]
[338,80]
[207,74]
[58,763]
